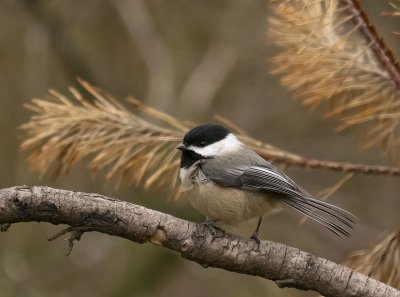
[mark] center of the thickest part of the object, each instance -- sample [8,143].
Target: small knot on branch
[74,233]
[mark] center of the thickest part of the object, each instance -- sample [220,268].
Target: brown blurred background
[192,59]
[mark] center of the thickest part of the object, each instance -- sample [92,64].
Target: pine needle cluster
[381,262]
[330,55]
[129,147]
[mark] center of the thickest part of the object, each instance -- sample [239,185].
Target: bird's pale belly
[230,205]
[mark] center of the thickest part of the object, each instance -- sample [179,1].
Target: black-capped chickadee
[231,183]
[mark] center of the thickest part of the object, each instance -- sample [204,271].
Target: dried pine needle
[63,131]
[130,147]
[381,262]
[325,59]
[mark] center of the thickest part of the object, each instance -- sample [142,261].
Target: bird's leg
[209,223]
[255,234]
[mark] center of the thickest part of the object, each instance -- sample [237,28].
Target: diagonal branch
[287,266]
[378,46]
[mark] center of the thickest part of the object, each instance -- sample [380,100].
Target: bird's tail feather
[334,218]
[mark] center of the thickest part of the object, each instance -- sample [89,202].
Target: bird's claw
[256,238]
[210,225]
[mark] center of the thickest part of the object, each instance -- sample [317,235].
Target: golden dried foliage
[133,148]
[327,59]
[381,262]
[130,148]
[395,12]
[396,8]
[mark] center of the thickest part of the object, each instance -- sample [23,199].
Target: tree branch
[290,160]
[287,266]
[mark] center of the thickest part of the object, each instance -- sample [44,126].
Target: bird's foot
[209,223]
[255,237]
[255,234]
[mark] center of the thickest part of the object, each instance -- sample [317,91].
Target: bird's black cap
[205,134]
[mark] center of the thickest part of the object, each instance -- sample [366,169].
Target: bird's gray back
[227,170]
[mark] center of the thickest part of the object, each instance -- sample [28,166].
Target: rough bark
[287,266]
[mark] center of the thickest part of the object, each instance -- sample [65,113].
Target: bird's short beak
[181,147]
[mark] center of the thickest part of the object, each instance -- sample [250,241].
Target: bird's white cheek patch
[229,144]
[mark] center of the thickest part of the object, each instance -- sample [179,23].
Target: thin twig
[74,234]
[335,166]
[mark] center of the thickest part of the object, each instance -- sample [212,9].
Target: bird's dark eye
[203,144]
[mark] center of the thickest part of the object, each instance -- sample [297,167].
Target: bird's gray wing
[268,178]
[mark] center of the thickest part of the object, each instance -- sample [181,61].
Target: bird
[229,182]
